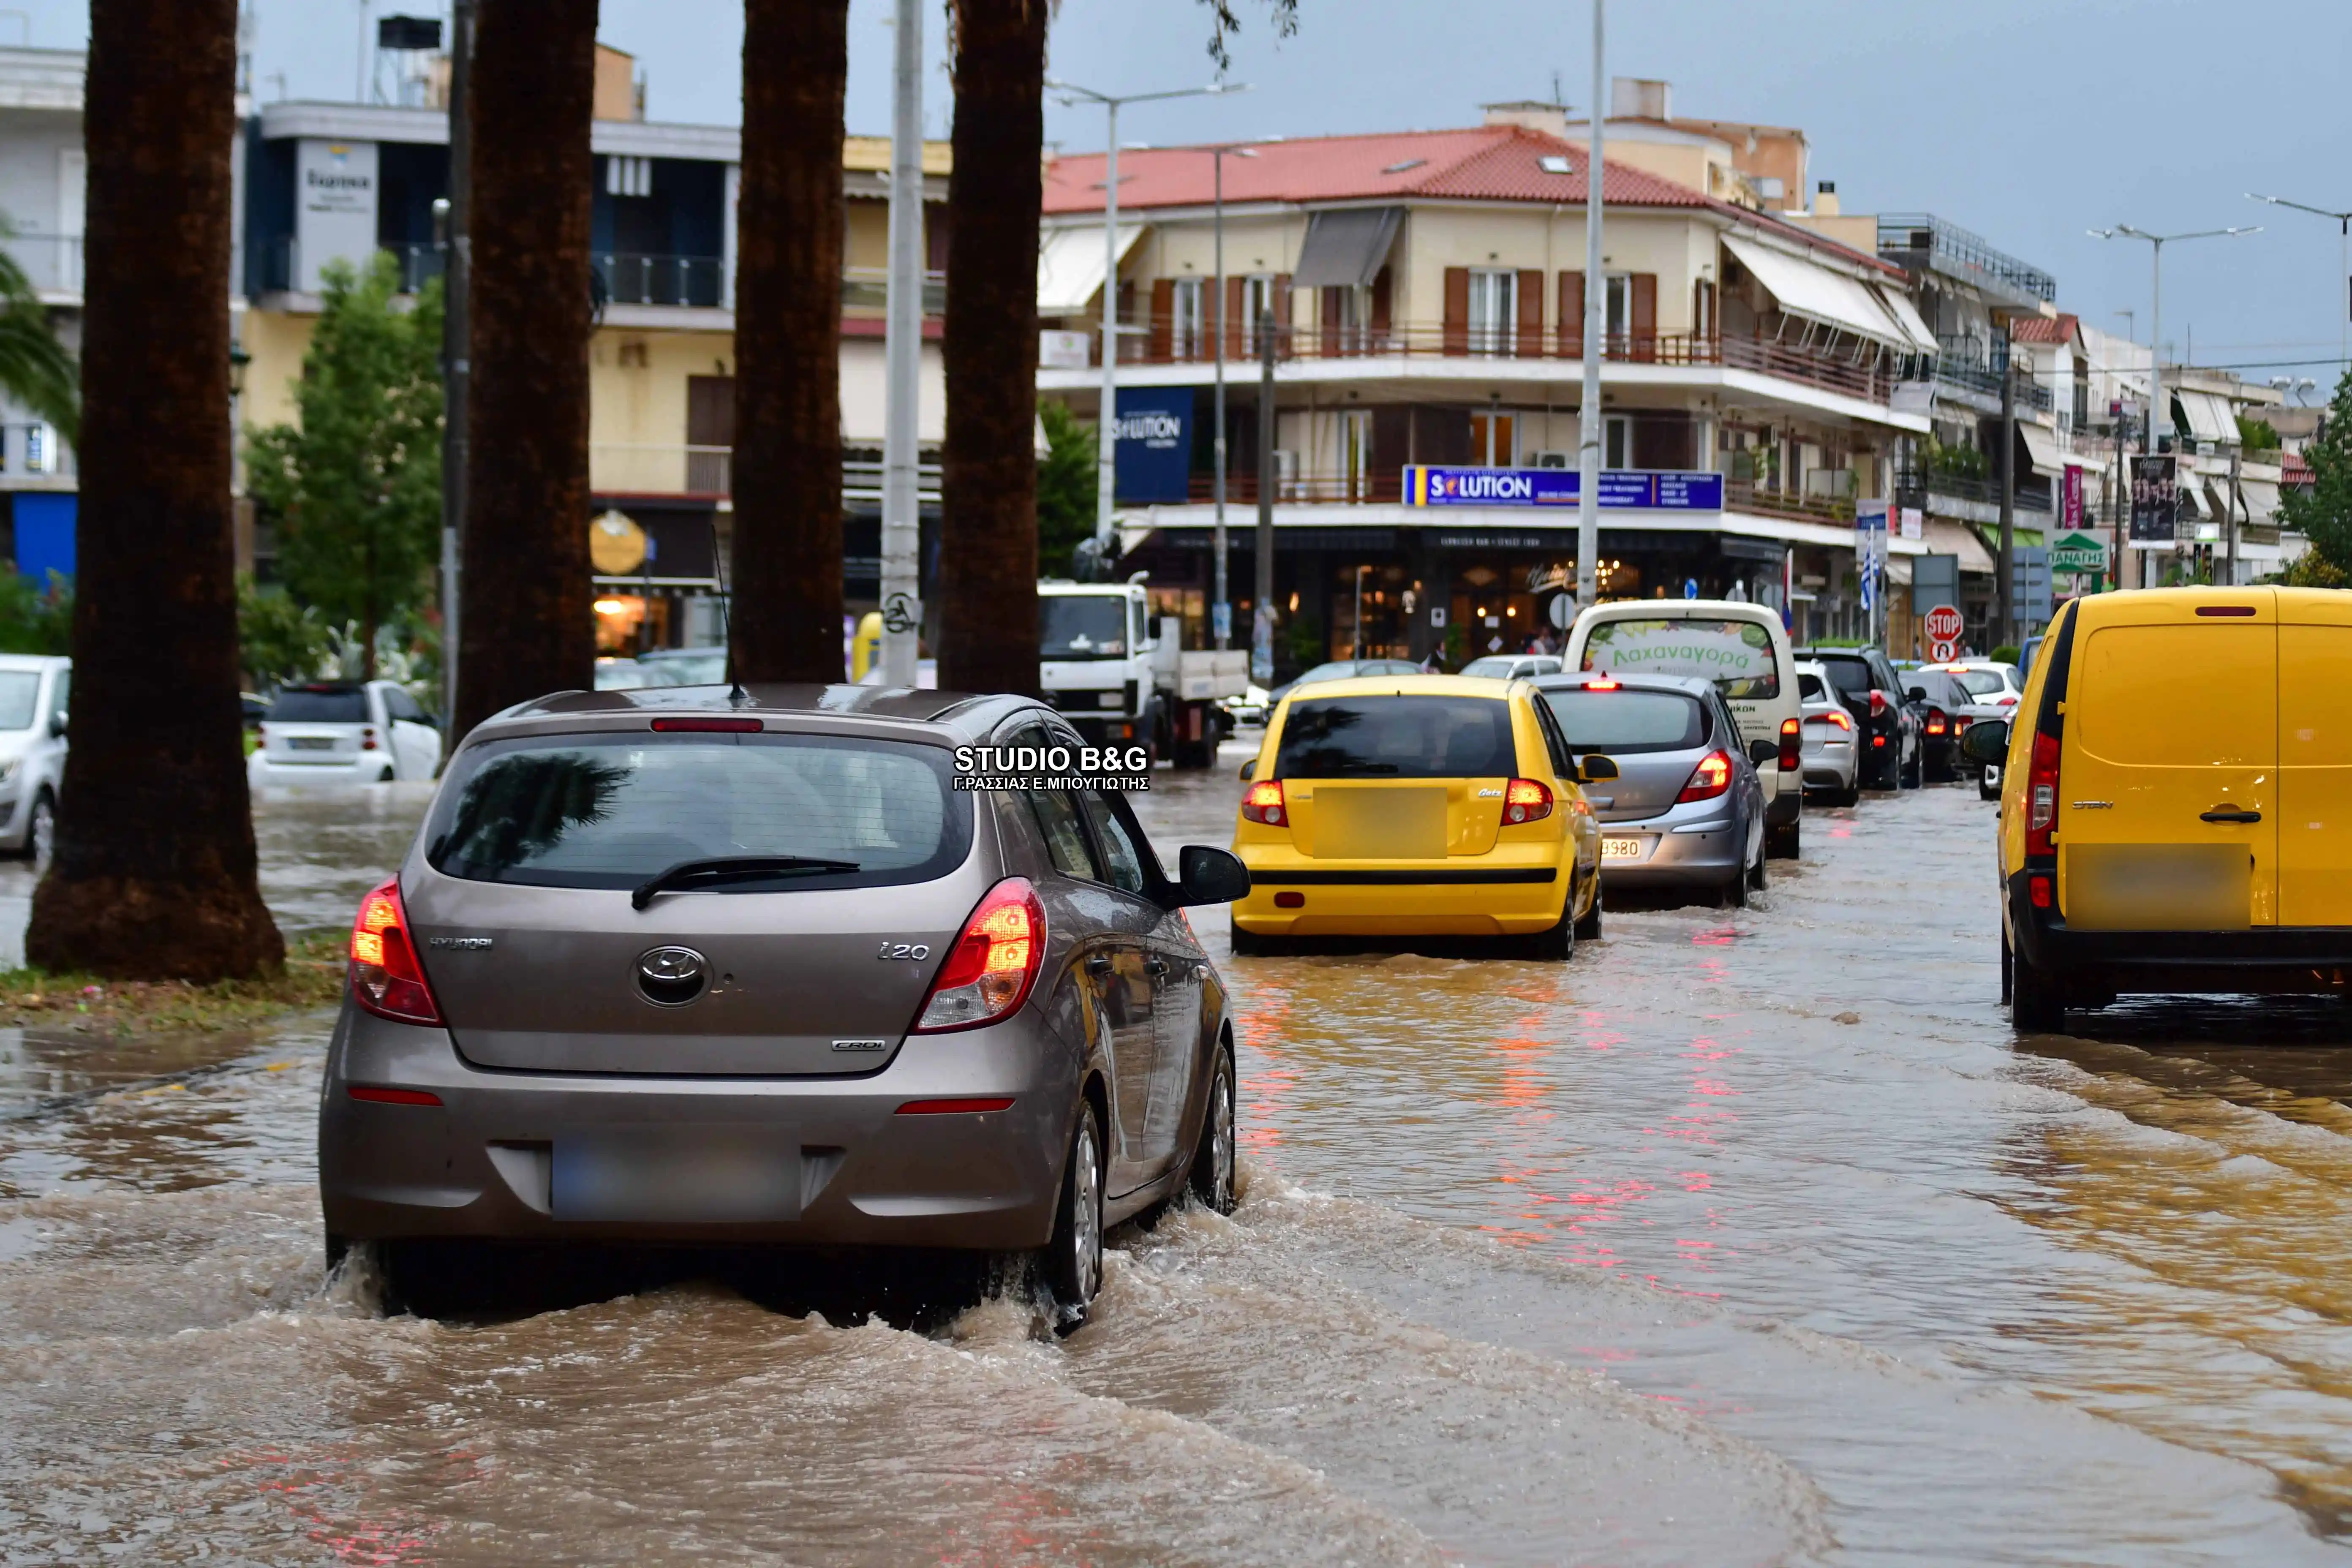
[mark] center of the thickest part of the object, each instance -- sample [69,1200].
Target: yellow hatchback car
[1419,805]
[2176,808]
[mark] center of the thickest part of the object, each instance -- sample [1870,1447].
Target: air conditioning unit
[1555,460]
[1286,474]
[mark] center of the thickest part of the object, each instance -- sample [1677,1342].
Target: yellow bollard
[866,647]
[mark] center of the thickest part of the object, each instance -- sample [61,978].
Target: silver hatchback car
[668,967]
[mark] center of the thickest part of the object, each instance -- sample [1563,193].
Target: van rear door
[2314,720]
[2169,798]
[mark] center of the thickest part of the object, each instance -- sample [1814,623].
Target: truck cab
[1121,680]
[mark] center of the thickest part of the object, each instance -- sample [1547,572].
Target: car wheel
[1589,928]
[1914,775]
[1073,1260]
[41,831]
[2035,1004]
[1556,943]
[1213,1161]
[1249,944]
[1755,872]
[1782,843]
[1849,796]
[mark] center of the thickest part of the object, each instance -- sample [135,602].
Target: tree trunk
[526,626]
[988,545]
[154,876]
[786,614]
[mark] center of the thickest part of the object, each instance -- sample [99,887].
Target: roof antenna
[736,695]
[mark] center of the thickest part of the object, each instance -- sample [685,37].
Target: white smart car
[33,692]
[345,731]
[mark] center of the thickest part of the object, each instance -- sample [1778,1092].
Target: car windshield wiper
[720,869]
[1347,765]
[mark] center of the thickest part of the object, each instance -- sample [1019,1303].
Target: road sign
[1943,650]
[1944,628]
[2030,584]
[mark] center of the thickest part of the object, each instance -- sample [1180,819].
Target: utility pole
[2119,505]
[902,350]
[1221,609]
[456,340]
[2235,457]
[2007,620]
[1262,620]
[1588,418]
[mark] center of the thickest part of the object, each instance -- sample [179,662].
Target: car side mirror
[58,725]
[1762,751]
[1595,769]
[1986,741]
[1917,693]
[1208,875]
[1249,770]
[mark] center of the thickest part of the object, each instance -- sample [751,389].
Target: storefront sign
[2078,552]
[2071,507]
[2154,500]
[1155,443]
[334,208]
[1620,490]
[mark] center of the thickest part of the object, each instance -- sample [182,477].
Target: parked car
[1440,805]
[760,973]
[2164,833]
[1512,666]
[1344,669]
[1686,809]
[1831,760]
[616,674]
[1994,690]
[1945,705]
[34,693]
[684,666]
[1888,724]
[1742,647]
[345,731]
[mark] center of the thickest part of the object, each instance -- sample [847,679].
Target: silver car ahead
[1686,809]
[662,967]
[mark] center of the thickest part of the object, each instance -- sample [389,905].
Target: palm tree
[525,622]
[988,541]
[155,874]
[787,468]
[35,368]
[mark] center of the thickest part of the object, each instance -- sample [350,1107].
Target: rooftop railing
[1922,241]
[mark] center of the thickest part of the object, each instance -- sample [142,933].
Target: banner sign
[1870,549]
[2154,500]
[1155,443]
[1621,490]
[2071,512]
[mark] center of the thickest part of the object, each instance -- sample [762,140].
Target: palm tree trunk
[154,870]
[787,470]
[526,626]
[988,546]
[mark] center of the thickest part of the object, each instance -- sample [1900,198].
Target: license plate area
[699,1176]
[309,743]
[1622,847]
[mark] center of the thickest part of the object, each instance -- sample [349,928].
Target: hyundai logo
[672,976]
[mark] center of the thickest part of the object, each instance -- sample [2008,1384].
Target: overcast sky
[2027,121]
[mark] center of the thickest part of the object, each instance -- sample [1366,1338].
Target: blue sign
[45,534]
[1155,443]
[1627,489]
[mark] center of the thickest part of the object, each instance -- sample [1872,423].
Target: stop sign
[1944,624]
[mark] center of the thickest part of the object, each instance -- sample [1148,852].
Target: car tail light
[387,978]
[708,726]
[2037,890]
[1793,745]
[2008,701]
[1263,803]
[1877,703]
[1960,722]
[1878,740]
[367,738]
[976,1105]
[989,970]
[2041,795]
[1709,779]
[1837,716]
[1524,800]
[1935,722]
[380,1095]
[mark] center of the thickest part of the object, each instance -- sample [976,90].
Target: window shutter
[1163,318]
[1284,343]
[1236,301]
[1645,315]
[1329,298]
[1381,296]
[1530,292]
[1572,315]
[1457,309]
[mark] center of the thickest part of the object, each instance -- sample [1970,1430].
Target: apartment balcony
[629,278]
[1963,367]
[1970,493]
[1922,242]
[869,289]
[52,263]
[632,469]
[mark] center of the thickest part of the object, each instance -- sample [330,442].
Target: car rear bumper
[2258,958]
[833,1159]
[1484,895]
[1679,848]
[262,769]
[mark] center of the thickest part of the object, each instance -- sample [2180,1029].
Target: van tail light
[1877,703]
[991,968]
[1263,803]
[1937,723]
[1793,745]
[2041,795]
[1524,800]
[387,978]
[1709,779]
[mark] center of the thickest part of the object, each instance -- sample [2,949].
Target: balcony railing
[869,289]
[2032,494]
[652,469]
[52,262]
[1922,241]
[631,278]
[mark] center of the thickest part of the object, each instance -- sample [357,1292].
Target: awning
[2260,498]
[1907,317]
[1814,292]
[2218,490]
[1946,537]
[2041,449]
[2208,413]
[1345,250]
[2192,504]
[1070,268]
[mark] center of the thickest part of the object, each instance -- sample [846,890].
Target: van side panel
[2315,719]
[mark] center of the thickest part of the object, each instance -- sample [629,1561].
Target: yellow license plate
[1621,850]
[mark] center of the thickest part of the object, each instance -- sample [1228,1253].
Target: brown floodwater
[1747,1237]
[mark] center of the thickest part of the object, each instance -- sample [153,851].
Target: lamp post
[1588,418]
[2159,411]
[1107,459]
[1221,607]
[2343,268]
[902,353]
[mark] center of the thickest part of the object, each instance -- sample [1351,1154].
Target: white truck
[1119,679]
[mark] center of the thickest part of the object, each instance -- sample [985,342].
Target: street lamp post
[1106,422]
[2343,270]
[2159,411]
[902,353]
[1588,419]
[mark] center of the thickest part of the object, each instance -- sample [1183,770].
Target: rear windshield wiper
[720,869]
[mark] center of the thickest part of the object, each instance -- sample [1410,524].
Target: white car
[345,731]
[1249,707]
[1511,666]
[33,692]
[1996,689]
[1833,764]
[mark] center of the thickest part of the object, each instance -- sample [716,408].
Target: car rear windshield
[319,705]
[19,691]
[1981,682]
[612,810]
[1398,737]
[1737,656]
[1941,689]
[1626,721]
[1809,687]
[1851,676]
[1081,625]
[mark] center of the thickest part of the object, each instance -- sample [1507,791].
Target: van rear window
[611,810]
[1398,737]
[1737,656]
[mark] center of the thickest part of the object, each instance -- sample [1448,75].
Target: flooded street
[1747,1237]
